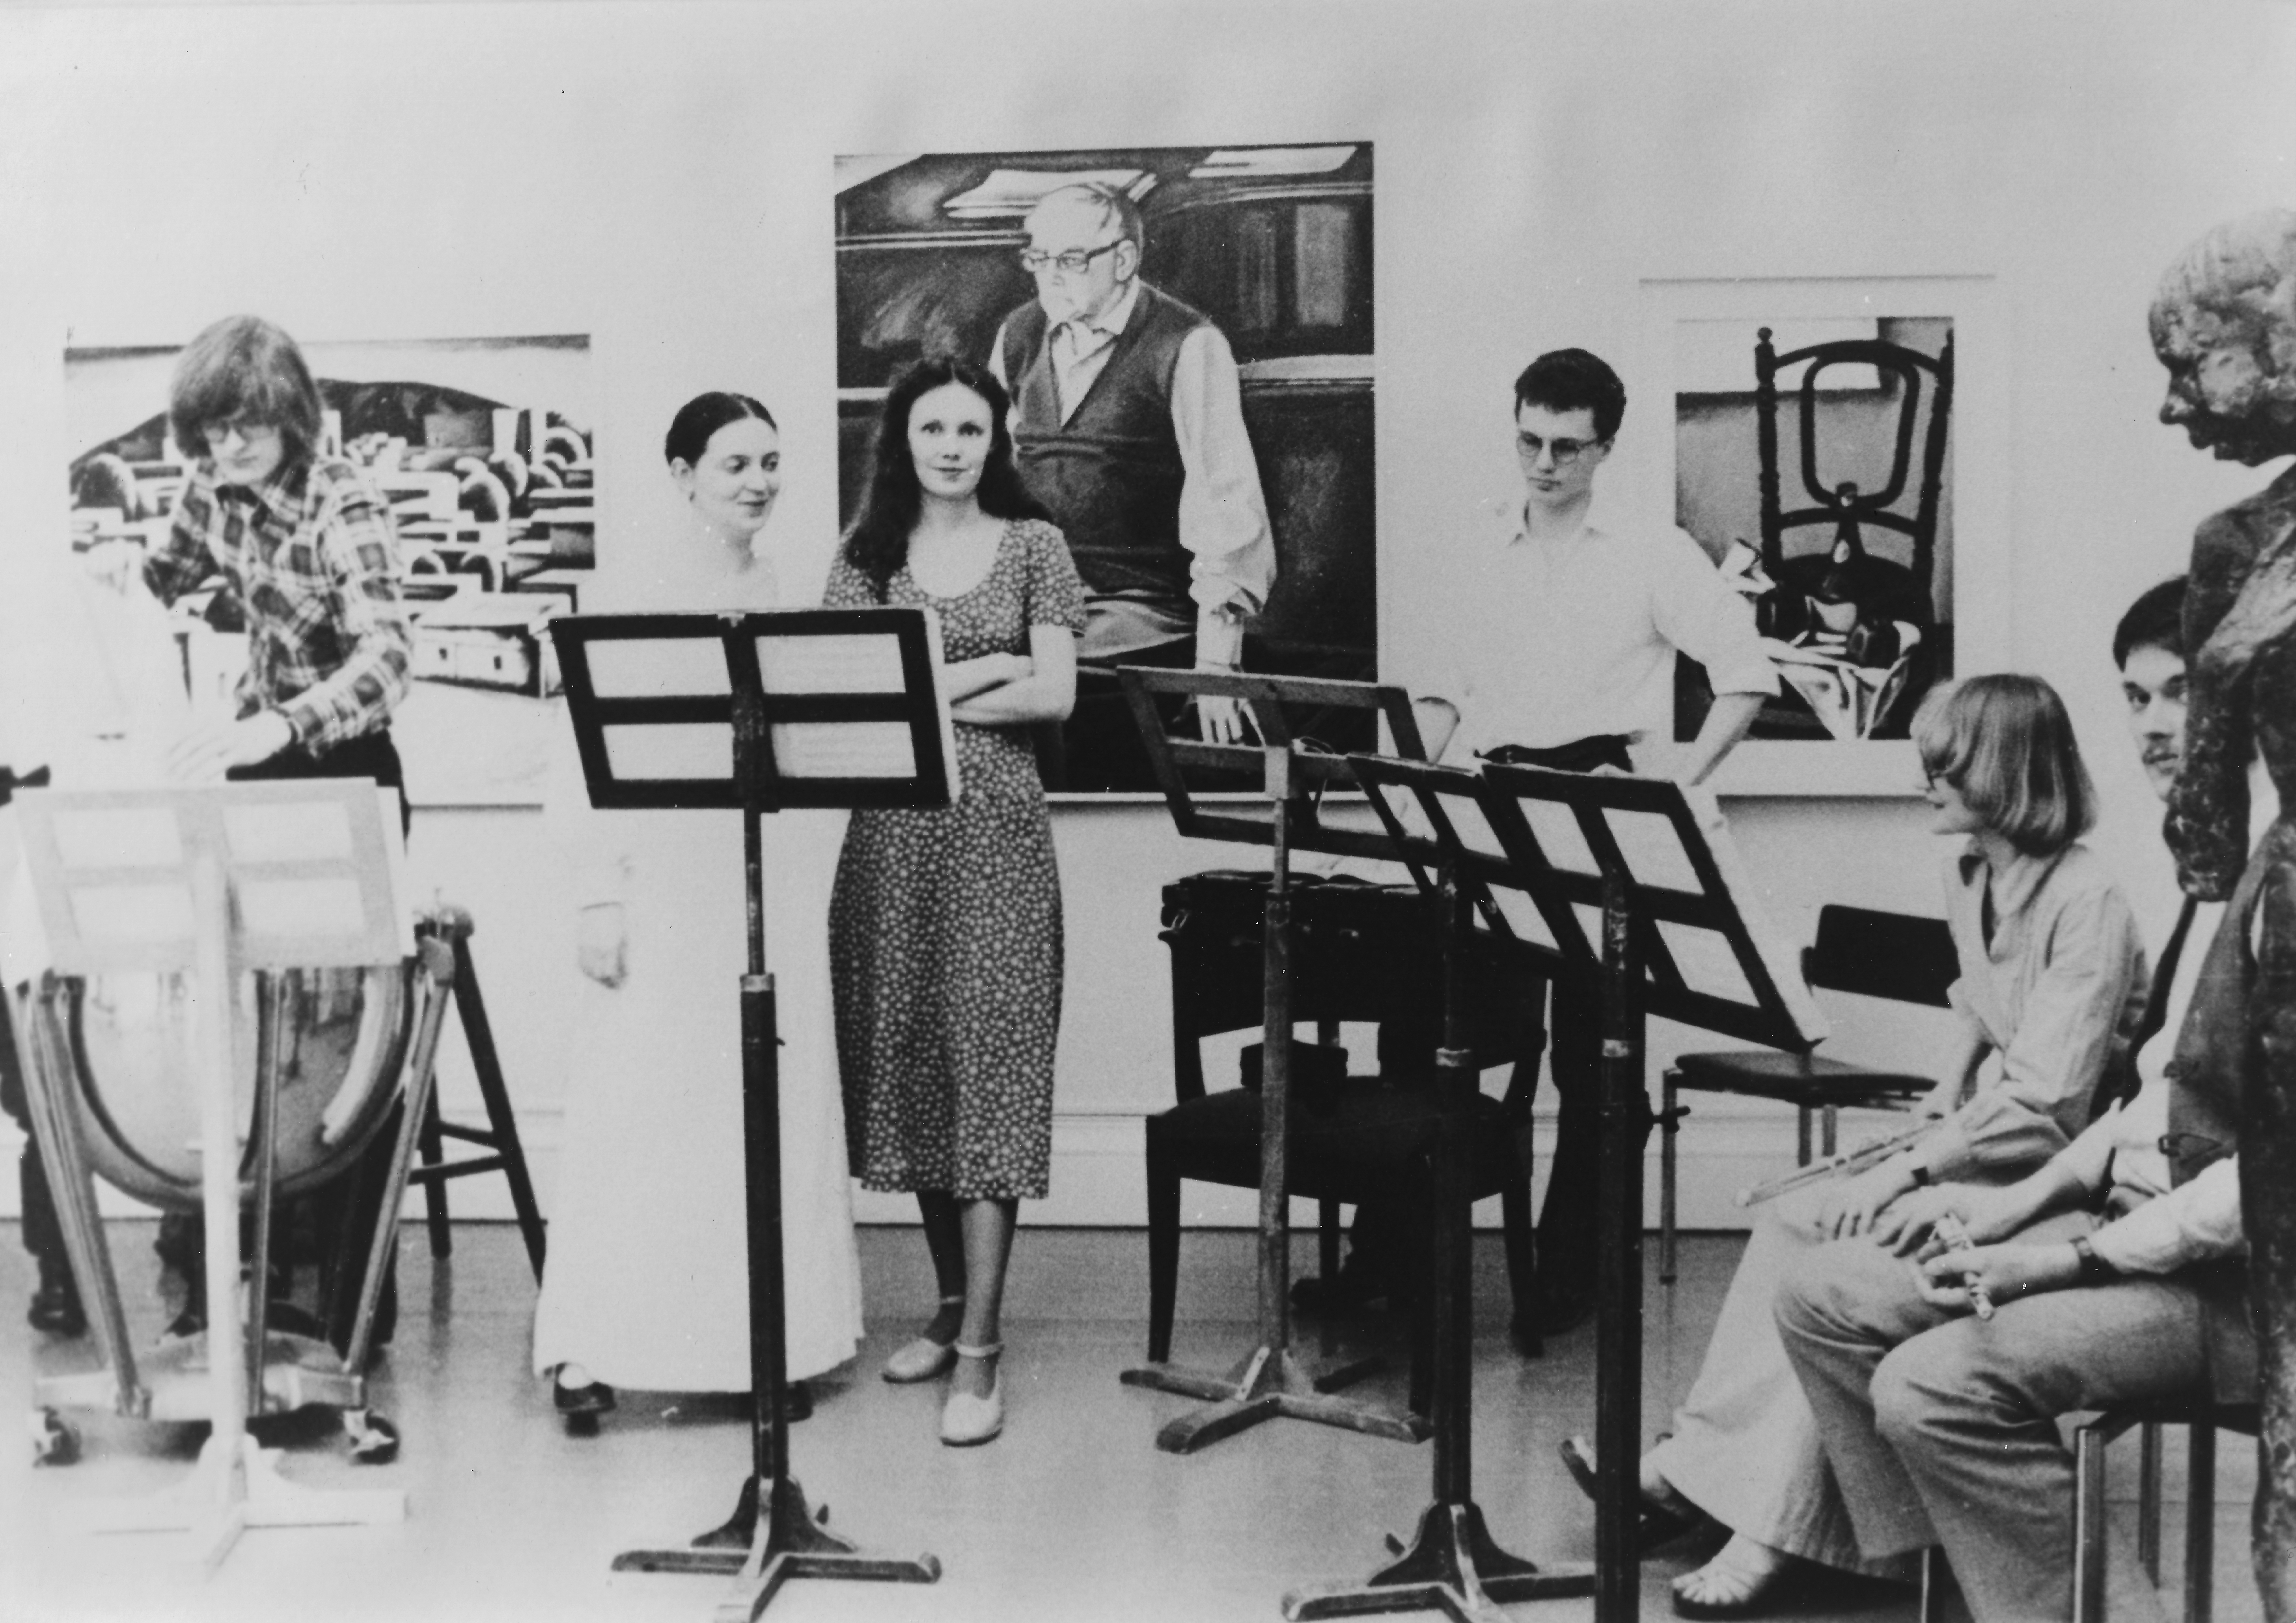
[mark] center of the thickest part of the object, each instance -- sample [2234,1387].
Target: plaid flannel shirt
[314,563]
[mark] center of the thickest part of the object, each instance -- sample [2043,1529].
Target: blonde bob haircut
[2006,742]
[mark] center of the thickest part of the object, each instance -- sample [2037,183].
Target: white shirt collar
[1600,521]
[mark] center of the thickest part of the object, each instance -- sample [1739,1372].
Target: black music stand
[1452,1564]
[1270,1381]
[756,712]
[1626,874]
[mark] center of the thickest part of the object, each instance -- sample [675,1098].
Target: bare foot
[1734,1583]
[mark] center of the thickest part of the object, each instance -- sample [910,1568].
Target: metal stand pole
[1625,1116]
[772,1535]
[1452,1564]
[1271,1383]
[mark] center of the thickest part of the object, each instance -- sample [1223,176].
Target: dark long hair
[878,543]
[243,364]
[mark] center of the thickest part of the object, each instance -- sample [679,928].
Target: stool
[2204,1416]
[453,925]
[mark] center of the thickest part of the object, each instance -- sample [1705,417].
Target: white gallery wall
[658,176]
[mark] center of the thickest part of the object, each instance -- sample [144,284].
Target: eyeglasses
[1564,451]
[247,426]
[1036,261]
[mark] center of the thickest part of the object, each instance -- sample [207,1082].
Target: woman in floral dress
[944,925]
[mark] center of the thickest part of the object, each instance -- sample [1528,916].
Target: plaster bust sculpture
[2224,325]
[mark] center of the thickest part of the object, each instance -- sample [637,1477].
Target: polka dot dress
[945,926]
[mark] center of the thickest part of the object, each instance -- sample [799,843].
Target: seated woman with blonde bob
[2052,974]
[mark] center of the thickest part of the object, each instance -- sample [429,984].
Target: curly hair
[2238,281]
[878,543]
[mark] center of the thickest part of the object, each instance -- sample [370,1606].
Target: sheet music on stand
[759,712]
[658,699]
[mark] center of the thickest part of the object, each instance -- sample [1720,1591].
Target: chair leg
[2148,1501]
[1163,1254]
[1419,1307]
[1802,1135]
[432,1143]
[2200,1523]
[1932,1606]
[1669,1125]
[477,1035]
[2089,1524]
[1832,1131]
[1522,1262]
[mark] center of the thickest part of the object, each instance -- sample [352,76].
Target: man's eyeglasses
[1565,451]
[1076,260]
[247,426]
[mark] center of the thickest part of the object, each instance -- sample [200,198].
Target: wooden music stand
[1269,1382]
[1452,1564]
[756,713]
[1632,882]
[216,882]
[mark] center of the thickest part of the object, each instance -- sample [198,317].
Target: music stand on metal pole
[1638,877]
[1269,1382]
[757,713]
[1452,1564]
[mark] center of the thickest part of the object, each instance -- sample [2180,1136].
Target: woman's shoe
[967,1422]
[1656,1523]
[924,1357]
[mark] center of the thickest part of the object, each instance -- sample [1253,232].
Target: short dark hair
[1574,381]
[878,543]
[704,415]
[244,364]
[2006,742]
[2156,619]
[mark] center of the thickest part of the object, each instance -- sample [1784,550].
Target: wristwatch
[2094,1270]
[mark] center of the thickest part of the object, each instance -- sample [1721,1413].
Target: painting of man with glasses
[1185,337]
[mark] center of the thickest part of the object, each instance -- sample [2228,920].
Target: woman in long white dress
[647,1280]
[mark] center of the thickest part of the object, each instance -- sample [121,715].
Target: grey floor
[1073,1514]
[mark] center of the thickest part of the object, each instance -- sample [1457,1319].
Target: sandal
[1656,1523]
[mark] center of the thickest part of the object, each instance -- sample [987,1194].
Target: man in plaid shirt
[306,549]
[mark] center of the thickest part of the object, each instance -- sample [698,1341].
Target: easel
[757,713]
[218,882]
[1452,1564]
[1628,882]
[1269,1382]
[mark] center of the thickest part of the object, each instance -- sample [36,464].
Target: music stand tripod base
[763,1551]
[1453,1566]
[1269,1384]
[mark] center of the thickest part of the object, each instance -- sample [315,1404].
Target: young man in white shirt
[2117,1272]
[1567,622]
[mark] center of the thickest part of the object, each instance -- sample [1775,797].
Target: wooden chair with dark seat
[2205,1417]
[1890,955]
[1360,952]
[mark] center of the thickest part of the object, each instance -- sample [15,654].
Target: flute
[1854,1160]
[1947,1228]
